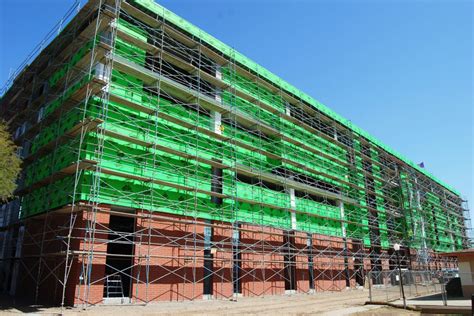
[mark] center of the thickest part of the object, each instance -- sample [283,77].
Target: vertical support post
[289,262]
[401,277]
[208,262]
[344,237]
[449,226]
[309,245]
[216,186]
[237,257]
[424,252]
[369,281]
[16,264]
[444,294]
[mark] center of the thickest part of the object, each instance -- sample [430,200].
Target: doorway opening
[119,259]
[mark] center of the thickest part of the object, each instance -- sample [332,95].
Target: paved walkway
[434,304]
[435,300]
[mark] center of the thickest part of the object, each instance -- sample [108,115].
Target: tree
[10,163]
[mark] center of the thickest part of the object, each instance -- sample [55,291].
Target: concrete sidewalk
[435,304]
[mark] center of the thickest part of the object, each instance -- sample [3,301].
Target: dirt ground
[350,302]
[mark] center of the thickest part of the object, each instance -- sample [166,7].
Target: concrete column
[237,257]
[287,109]
[218,91]
[208,267]
[341,212]
[309,245]
[291,192]
[218,72]
[102,72]
[218,95]
[216,186]
[216,122]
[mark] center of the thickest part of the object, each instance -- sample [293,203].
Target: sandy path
[330,303]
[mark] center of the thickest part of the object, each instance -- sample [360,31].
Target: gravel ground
[350,302]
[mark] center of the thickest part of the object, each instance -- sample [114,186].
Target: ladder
[113,286]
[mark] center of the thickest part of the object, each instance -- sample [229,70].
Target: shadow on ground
[8,303]
[437,297]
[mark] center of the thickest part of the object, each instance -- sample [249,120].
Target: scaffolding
[160,164]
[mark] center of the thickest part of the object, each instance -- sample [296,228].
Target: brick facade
[168,259]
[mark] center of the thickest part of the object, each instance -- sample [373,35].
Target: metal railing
[385,286]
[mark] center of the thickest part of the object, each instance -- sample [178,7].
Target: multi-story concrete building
[161,164]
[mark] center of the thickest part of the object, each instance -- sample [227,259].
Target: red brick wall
[94,293]
[262,267]
[223,260]
[175,264]
[302,266]
[41,237]
[49,232]
[171,268]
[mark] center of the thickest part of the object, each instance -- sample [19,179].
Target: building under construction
[161,164]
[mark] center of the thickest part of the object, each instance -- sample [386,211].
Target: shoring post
[370,285]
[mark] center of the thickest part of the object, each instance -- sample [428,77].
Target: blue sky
[402,70]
